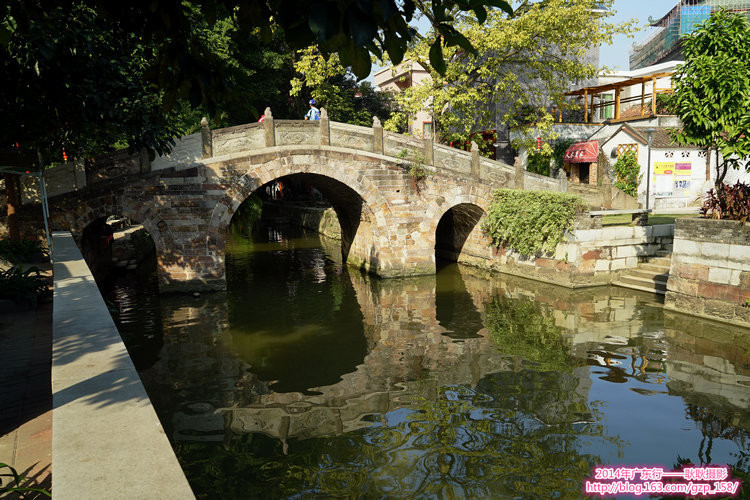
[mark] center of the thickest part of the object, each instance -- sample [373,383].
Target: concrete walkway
[25,395]
[107,440]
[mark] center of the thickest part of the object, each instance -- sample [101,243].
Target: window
[607,110]
[427,130]
[669,154]
[702,154]
[686,154]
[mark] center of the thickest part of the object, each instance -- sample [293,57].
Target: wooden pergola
[589,93]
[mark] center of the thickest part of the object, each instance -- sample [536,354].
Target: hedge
[531,222]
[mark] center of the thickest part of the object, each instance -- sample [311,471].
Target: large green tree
[712,89]
[523,64]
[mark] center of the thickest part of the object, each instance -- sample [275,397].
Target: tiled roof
[663,140]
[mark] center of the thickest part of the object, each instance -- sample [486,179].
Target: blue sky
[615,56]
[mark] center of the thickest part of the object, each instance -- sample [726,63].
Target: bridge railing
[271,132]
[193,149]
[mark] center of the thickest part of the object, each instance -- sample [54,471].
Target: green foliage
[22,285]
[663,104]
[712,89]
[531,222]
[522,64]
[16,483]
[336,89]
[13,251]
[627,173]
[112,70]
[248,213]
[415,166]
[520,328]
[539,163]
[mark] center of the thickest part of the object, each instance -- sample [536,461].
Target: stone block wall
[710,272]
[588,257]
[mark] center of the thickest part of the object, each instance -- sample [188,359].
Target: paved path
[106,430]
[25,394]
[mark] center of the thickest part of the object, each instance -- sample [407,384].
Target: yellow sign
[663,168]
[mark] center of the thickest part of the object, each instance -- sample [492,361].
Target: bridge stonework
[387,227]
[391,226]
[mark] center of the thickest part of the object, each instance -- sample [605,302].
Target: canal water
[309,379]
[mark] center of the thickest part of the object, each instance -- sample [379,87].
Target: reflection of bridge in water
[419,340]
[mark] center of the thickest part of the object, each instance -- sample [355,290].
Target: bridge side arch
[88,210]
[455,223]
[366,235]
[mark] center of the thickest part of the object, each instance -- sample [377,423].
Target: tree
[712,89]
[182,67]
[86,74]
[523,63]
[336,88]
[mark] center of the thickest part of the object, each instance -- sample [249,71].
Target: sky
[616,55]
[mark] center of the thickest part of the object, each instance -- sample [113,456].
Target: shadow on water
[294,315]
[454,307]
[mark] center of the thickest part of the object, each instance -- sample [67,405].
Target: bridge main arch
[364,213]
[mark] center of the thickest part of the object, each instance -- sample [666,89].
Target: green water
[308,380]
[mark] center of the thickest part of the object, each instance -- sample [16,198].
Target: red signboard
[582,152]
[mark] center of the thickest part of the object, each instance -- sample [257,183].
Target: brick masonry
[710,272]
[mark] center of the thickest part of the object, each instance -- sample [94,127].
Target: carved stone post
[325,128]
[268,126]
[520,172]
[562,177]
[429,153]
[79,172]
[377,139]
[474,160]
[145,162]
[208,148]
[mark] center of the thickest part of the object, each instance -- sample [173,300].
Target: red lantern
[65,155]
[538,143]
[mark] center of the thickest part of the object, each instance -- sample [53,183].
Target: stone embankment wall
[320,219]
[710,272]
[588,257]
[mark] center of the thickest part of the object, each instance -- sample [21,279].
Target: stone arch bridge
[390,225]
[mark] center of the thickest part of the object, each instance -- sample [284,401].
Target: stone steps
[650,275]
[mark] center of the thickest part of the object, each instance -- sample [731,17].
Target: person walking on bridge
[313,113]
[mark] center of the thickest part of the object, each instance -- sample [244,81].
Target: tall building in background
[664,44]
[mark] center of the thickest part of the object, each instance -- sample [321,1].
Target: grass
[627,219]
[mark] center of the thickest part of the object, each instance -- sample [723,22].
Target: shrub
[22,285]
[539,163]
[627,174]
[728,202]
[415,166]
[19,251]
[531,222]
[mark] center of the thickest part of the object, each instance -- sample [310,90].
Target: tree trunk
[721,171]
[13,201]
